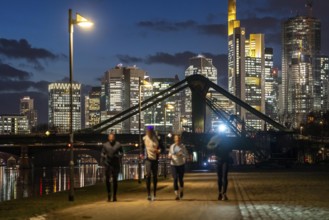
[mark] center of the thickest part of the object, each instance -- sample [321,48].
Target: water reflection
[17,184]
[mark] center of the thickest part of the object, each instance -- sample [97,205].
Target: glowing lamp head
[83,22]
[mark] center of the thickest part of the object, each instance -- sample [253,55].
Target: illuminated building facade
[246,68]
[155,115]
[301,83]
[254,78]
[120,91]
[236,57]
[59,106]
[324,66]
[271,86]
[93,107]
[26,107]
[14,124]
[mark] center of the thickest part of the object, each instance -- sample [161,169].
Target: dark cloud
[7,86]
[8,72]
[15,80]
[129,59]
[177,59]
[22,49]
[166,26]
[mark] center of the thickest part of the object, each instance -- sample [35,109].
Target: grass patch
[35,206]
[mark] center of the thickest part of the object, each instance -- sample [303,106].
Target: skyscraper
[120,91]
[155,115]
[236,57]
[301,89]
[59,106]
[93,107]
[246,68]
[254,78]
[26,107]
[324,65]
[203,66]
[271,85]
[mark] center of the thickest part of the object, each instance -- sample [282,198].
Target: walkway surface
[252,195]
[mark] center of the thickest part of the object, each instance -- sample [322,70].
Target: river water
[22,183]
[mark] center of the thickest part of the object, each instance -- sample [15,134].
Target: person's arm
[160,145]
[213,143]
[170,153]
[120,150]
[185,152]
[143,152]
[103,156]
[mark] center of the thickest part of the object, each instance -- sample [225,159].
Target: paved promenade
[252,195]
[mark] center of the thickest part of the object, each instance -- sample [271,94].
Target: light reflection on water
[17,184]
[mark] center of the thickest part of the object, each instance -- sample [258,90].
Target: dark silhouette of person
[222,152]
[111,155]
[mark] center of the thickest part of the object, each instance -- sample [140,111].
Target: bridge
[263,145]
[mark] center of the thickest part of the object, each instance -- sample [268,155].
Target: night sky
[158,36]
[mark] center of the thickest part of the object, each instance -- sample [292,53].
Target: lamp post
[139,130]
[83,22]
[167,106]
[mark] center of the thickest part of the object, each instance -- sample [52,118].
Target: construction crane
[309,6]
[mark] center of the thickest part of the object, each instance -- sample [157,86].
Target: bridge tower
[199,89]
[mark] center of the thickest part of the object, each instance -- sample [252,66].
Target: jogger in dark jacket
[222,152]
[111,155]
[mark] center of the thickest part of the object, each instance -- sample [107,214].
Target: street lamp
[142,82]
[166,107]
[82,22]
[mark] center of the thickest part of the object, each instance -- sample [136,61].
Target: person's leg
[225,180]
[115,174]
[175,179]
[108,181]
[148,178]
[220,180]
[181,179]
[155,177]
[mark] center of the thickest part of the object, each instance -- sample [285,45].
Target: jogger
[152,151]
[222,152]
[110,156]
[178,155]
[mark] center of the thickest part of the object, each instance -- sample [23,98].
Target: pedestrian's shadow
[199,200]
[190,200]
[123,201]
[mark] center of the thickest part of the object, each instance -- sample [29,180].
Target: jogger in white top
[178,155]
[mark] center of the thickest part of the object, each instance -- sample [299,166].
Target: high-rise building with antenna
[301,78]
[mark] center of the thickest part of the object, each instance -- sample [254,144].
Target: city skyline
[34,49]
